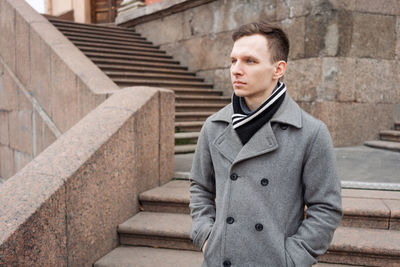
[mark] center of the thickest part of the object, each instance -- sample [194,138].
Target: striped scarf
[247,124]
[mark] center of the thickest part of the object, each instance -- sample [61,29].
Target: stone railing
[63,208]
[46,85]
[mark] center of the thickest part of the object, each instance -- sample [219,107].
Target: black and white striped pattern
[247,124]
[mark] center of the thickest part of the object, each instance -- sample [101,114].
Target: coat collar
[263,141]
[288,113]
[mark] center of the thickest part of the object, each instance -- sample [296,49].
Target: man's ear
[280,68]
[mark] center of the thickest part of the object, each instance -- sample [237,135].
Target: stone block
[349,5]
[351,124]
[376,81]
[200,53]
[4,134]
[22,50]
[20,160]
[221,78]
[24,101]
[87,100]
[6,162]
[398,37]
[338,81]
[220,16]
[43,135]
[394,206]
[345,30]
[65,109]
[170,26]
[8,92]
[35,233]
[302,78]
[147,130]
[20,130]
[373,36]
[40,72]
[167,135]
[295,29]
[7,30]
[385,7]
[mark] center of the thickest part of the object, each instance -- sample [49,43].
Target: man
[259,162]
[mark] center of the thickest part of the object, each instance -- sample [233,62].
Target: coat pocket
[209,242]
[289,261]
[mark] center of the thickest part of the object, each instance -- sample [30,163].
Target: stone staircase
[130,60]
[389,139]
[369,234]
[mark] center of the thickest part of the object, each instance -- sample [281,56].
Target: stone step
[159,83]
[115,67]
[154,229]
[152,76]
[203,99]
[350,245]
[101,37]
[136,63]
[123,52]
[183,149]
[90,40]
[150,257]
[57,22]
[188,126]
[131,58]
[186,138]
[195,91]
[359,210]
[369,247]
[172,197]
[390,135]
[397,125]
[192,116]
[198,107]
[121,48]
[394,146]
[99,32]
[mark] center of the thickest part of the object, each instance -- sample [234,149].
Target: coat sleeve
[322,196]
[202,191]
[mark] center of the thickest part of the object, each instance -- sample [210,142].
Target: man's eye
[250,61]
[233,61]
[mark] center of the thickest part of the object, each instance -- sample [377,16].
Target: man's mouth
[238,83]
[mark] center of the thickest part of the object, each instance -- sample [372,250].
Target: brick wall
[343,64]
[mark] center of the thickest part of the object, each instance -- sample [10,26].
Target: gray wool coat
[248,201]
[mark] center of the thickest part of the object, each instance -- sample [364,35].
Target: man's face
[252,72]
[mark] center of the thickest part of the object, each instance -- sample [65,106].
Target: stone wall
[46,85]
[66,204]
[343,65]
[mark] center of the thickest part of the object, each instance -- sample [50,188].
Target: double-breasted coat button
[283,126]
[234,176]
[230,220]
[264,182]
[259,227]
[227,263]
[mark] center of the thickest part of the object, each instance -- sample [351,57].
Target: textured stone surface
[221,78]
[87,101]
[295,28]
[20,160]
[91,178]
[40,72]
[4,133]
[22,53]
[166,132]
[142,256]
[376,81]
[302,79]
[7,30]
[387,7]
[374,36]
[394,206]
[43,136]
[6,162]
[8,92]
[398,37]
[65,111]
[338,81]
[20,129]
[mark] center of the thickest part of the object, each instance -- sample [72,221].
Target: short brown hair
[278,42]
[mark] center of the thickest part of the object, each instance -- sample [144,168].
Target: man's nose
[236,68]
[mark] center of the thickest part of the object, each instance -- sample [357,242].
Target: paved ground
[356,164]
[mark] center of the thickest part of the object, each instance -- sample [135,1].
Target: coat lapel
[263,141]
